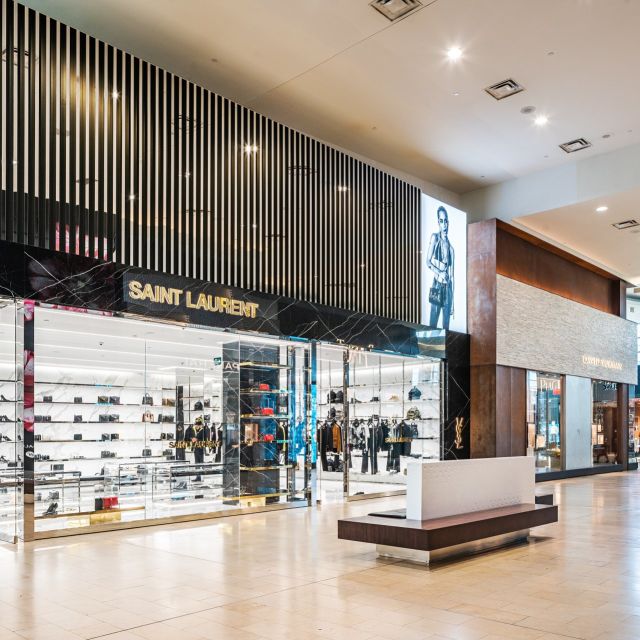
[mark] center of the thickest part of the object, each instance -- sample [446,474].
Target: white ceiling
[592,234]
[338,70]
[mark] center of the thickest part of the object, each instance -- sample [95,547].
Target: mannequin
[196,434]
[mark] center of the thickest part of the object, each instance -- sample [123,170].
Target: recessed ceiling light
[541,121]
[115,95]
[602,209]
[132,196]
[342,188]
[454,54]
[250,148]
[456,93]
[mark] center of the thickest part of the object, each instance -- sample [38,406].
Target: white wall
[593,177]
[577,418]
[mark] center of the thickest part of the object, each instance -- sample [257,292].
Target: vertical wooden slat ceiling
[106,155]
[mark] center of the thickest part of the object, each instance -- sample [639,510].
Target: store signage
[200,444]
[443,265]
[601,362]
[459,427]
[202,301]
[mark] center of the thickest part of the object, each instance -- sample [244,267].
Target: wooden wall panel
[521,259]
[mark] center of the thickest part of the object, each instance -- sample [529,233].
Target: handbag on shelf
[147,416]
[77,418]
[77,400]
[103,418]
[114,399]
[146,453]
[168,402]
[415,393]
[197,406]
[103,399]
[77,436]
[47,398]
[147,399]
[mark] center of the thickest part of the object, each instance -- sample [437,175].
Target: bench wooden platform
[490,525]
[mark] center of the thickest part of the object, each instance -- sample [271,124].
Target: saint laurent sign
[183,297]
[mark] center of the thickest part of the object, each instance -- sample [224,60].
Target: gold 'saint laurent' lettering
[215,304]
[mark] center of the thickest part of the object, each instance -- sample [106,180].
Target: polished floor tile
[285,574]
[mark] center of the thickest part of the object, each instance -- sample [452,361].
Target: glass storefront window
[138,420]
[391,414]
[11,390]
[604,419]
[544,419]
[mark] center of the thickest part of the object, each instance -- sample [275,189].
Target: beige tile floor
[285,575]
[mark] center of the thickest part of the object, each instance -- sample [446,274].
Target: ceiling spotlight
[187,175]
[541,121]
[363,265]
[250,148]
[454,54]
[132,196]
[342,188]
[602,209]
[115,95]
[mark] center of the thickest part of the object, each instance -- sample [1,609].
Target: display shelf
[94,441]
[98,385]
[263,365]
[275,416]
[110,458]
[275,466]
[262,392]
[77,514]
[98,422]
[392,384]
[106,404]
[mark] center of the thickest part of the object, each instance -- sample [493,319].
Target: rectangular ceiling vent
[504,89]
[394,9]
[626,224]
[575,145]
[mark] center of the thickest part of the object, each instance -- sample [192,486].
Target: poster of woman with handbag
[440,261]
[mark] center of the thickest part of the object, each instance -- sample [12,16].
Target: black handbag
[99,504]
[114,399]
[436,294]
[146,453]
[77,436]
[197,406]
[103,418]
[415,393]
[47,398]
[77,418]
[78,400]
[147,399]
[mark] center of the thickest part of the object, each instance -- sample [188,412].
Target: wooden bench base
[453,535]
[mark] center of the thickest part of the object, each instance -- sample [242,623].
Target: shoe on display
[2,397]
[181,486]
[53,495]
[4,418]
[52,510]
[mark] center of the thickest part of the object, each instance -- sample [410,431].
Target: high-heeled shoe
[52,510]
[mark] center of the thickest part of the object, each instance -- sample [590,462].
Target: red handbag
[266,411]
[263,386]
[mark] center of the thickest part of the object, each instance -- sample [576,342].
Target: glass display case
[604,443]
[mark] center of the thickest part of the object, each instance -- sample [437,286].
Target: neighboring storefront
[131,397]
[552,356]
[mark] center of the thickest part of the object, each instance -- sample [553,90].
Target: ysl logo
[459,426]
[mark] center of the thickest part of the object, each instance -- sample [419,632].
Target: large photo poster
[443,265]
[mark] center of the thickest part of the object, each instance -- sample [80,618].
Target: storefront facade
[554,353]
[131,397]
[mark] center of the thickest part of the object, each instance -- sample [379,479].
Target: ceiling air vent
[575,145]
[394,9]
[626,224]
[504,89]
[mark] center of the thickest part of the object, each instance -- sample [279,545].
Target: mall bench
[467,532]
